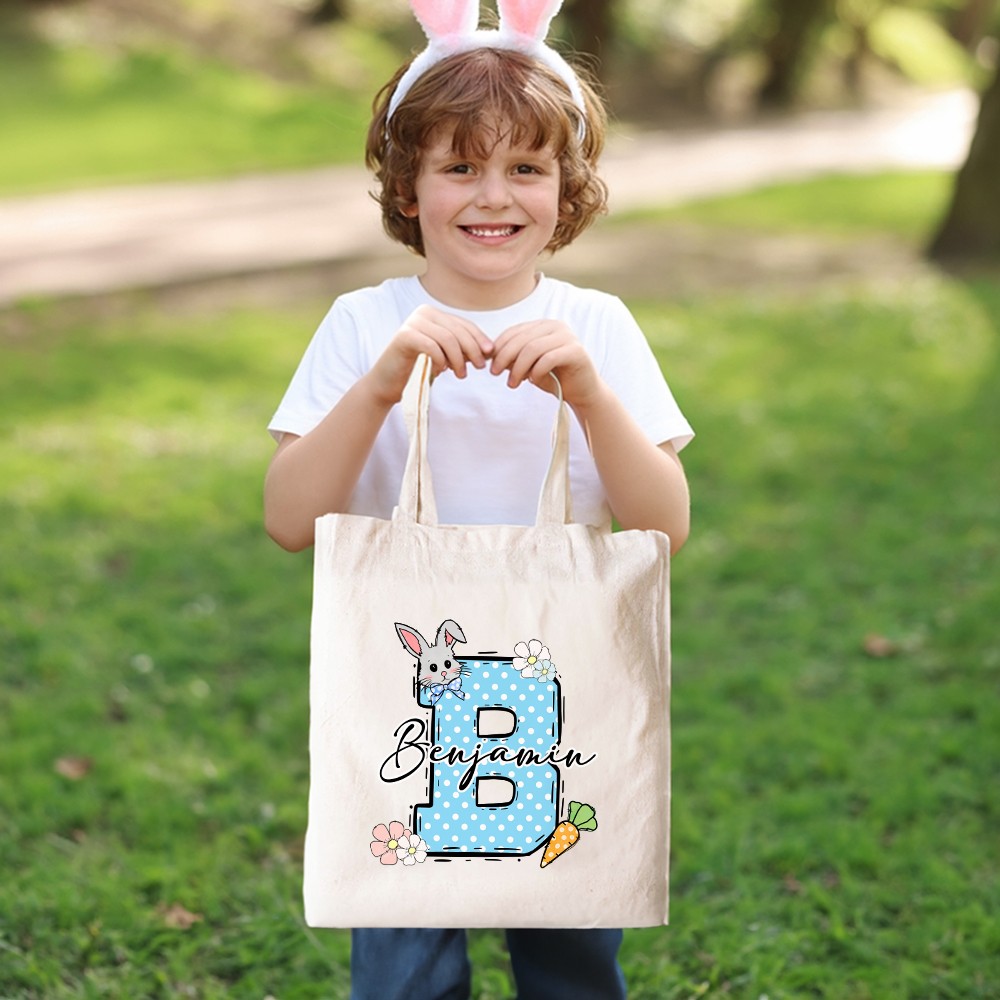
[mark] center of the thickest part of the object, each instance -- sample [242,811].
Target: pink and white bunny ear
[451,632]
[451,27]
[446,18]
[528,18]
[411,639]
[524,25]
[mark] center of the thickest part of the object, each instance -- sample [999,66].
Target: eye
[460,168]
[447,664]
[526,168]
[434,668]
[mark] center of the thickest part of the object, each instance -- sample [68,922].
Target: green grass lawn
[903,203]
[836,676]
[76,116]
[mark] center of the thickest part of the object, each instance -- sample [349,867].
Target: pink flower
[386,841]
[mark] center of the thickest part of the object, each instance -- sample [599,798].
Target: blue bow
[436,691]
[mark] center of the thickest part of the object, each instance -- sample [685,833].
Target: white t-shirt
[489,446]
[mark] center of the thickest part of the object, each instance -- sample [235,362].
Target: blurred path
[91,242]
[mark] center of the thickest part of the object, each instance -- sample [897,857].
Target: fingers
[534,351]
[527,352]
[510,347]
[450,341]
[536,361]
[531,351]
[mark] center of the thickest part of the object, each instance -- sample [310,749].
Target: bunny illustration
[438,669]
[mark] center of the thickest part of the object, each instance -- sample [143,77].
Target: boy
[486,158]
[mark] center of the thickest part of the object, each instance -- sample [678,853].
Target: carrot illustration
[567,833]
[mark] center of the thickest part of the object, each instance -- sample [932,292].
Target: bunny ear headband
[451,27]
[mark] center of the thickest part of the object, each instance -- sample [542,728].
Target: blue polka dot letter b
[492,790]
[492,747]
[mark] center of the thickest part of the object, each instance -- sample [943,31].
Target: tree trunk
[969,22]
[591,25]
[971,227]
[787,50]
[325,11]
[854,64]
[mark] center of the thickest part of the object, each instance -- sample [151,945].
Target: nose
[493,191]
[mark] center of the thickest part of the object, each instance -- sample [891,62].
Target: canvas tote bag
[489,729]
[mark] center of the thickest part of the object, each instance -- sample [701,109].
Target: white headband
[451,26]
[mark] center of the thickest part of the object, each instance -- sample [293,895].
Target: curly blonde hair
[480,96]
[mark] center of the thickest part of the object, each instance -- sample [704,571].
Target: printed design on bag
[532,659]
[566,834]
[394,843]
[490,750]
[438,669]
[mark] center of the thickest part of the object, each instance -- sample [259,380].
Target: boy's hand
[450,341]
[531,351]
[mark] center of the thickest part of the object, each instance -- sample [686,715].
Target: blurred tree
[969,22]
[591,25]
[324,11]
[794,30]
[971,226]
[855,17]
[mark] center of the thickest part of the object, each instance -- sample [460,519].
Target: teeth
[497,231]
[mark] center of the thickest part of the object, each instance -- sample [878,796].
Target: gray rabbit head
[437,662]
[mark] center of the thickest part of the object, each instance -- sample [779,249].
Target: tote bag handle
[416,495]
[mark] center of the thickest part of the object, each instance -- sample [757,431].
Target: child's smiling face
[484,220]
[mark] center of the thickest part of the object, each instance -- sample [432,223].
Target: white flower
[545,670]
[527,656]
[411,850]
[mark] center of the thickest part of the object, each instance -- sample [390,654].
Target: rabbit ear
[443,18]
[528,18]
[413,642]
[451,632]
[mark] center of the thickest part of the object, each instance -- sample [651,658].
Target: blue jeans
[418,964]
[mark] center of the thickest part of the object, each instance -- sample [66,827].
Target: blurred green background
[101,91]
[836,717]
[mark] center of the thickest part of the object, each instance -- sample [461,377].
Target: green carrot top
[582,816]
